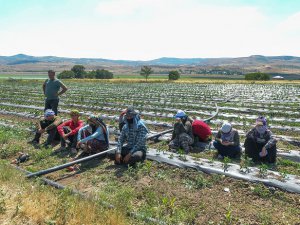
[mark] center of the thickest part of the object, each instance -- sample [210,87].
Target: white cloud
[291,24]
[147,29]
[124,8]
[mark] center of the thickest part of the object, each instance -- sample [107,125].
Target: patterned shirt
[232,137]
[136,139]
[180,127]
[266,138]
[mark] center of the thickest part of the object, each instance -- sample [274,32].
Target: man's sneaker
[60,149]
[63,144]
[73,151]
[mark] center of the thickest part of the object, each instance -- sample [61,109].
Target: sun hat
[74,112]
[226,127]
[49,112]
[180,114]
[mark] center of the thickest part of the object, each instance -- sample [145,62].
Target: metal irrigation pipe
[63,166]
[214,115]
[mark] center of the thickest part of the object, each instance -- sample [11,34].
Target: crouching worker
[134,133]
[48,124]
[94,137]
[68,131]
[227,142]
[182,136]
[202,134]
[260,144]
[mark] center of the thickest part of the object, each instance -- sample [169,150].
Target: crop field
[23,76]
[135,76]
[169,188]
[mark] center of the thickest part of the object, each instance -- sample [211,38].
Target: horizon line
[226,57]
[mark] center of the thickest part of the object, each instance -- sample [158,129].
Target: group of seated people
[94,136]
[187,134]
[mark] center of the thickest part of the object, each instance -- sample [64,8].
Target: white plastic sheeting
[290,183]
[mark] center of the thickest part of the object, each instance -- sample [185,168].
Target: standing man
[51,89]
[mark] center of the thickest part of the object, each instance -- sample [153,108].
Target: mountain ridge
[172,61]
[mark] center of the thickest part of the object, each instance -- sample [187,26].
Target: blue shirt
[98,134]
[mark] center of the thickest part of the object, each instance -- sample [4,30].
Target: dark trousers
[227,151]
[52,134]
[51,104]
[138,156]
[252,150]
[71,138]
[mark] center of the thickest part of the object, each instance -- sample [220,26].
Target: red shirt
[74,127]
[201,129]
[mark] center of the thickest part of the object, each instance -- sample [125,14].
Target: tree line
[78,72]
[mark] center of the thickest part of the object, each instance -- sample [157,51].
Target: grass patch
[39,204]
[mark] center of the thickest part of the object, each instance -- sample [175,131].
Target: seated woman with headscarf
[227,142]
[260,144]
[94,137]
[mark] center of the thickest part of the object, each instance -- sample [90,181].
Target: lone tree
[146,71]
[174,75]
[78,71]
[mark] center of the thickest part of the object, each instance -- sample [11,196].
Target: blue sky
[147,29]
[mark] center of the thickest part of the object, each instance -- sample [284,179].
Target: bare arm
[64,89]
[44,87]
[218,136]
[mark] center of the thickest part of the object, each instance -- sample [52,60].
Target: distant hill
[255,59]
[281,65]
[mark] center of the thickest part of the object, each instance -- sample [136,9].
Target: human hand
[41,131]
[118,158]
[127,157]
[225,143]
[263,152]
